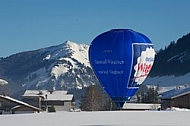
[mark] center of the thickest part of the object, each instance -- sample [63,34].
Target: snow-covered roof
[51,95]
[3,82]
[19,102]
[58,97]
[141,106]
[177,92]
[43,92]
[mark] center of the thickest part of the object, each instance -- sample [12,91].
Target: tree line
[96,99]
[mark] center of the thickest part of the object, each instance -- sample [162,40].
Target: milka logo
[144,65]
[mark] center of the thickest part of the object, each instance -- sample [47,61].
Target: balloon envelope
[121,60]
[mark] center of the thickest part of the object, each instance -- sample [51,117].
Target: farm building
[141,106]
[178,97]
[11,105]
[44,99]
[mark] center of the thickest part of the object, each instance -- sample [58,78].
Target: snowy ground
[103,118]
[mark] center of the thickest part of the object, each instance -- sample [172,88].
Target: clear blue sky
[33,24]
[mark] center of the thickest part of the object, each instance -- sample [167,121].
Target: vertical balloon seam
[126,52]
[110,78]
[124,77]
[117,42]
[111,90]
[132,69]
[124,67]
[121,85]
[132,53]
[131,65]
[115,56]
[109,67]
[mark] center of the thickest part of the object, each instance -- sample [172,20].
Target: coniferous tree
[151,96]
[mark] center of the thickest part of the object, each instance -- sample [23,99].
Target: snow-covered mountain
[70,68]
[65,66]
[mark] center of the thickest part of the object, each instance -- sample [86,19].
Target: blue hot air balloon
[121,60]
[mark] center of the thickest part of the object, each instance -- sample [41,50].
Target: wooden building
[178,97]
[11,105]
[44,99]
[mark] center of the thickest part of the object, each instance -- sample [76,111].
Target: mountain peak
[67,49]
[64,66]
[69,59]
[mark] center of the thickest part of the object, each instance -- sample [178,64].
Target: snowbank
[177,109]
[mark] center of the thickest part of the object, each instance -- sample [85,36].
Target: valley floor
[101,118]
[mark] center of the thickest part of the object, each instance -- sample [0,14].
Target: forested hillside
[174,59]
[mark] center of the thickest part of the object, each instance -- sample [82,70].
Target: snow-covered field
[101,118]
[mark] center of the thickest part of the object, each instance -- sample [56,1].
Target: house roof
[51,95]
[57,97]
[140,106]
[177,92]
[19,102]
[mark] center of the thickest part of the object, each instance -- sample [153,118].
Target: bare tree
[92,99]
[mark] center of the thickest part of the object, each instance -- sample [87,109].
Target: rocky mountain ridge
[62,67]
